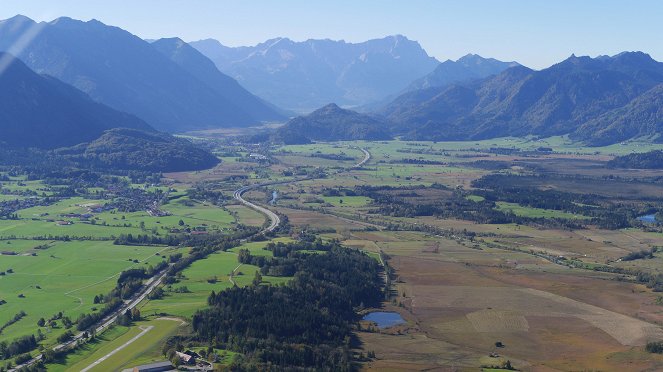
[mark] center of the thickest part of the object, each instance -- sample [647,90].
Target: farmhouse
[258,156]
[186,358]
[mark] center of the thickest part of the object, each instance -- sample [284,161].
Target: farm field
[207,275]
[63,278]
[460,297]
[459,301]
[535,212]
[471,265]
[142,350]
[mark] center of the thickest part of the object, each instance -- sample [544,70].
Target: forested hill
[599,101]
[40,111]
[331,123]
[131,149]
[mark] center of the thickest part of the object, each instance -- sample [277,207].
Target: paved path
[124,345]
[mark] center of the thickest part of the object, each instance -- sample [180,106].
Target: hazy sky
[536,33]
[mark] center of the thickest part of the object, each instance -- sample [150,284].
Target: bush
[22,358]
[654,347]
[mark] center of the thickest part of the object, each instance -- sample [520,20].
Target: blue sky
[536,33]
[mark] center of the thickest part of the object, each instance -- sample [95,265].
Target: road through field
[155,281]
[273,217]
[98,361]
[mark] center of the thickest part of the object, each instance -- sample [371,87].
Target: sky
[536,33]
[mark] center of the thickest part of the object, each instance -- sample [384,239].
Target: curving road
[273,217]
[155,281]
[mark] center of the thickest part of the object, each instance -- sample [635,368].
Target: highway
[274,219]
[155,281]
[137,298]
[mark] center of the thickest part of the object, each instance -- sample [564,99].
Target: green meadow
[207,275]
[63,278]
[530,212]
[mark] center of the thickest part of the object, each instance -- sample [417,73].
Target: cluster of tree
[642,254]
[523,190]
[146,239]
[203,192]
[128,317]
[654,347]
[647,160]
[417,161]
[653,281]
[338,191]
[16,347]
[286,259]
[305,324]
[18,316]
[453,204]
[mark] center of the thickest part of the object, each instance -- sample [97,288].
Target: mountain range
[170,86]
[41,111]
[309,74]
[76,80]
[599,101]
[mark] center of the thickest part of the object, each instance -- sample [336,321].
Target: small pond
[384,319]
[650,218]
[275,195]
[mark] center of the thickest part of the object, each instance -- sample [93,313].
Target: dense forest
[122,148]
[647,160]
[117,150]
[304,325]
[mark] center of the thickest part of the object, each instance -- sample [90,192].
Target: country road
[155,281]
[273,217]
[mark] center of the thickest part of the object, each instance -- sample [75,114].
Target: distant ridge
[195,63]
[596,100]
[467,68]
[308,74]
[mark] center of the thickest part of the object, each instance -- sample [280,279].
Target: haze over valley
[330,186]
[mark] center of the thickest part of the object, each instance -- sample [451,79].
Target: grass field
[143,350]
[205,276]
[530,212]
[64,277]
[457,295]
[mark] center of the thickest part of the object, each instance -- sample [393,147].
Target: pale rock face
[306,75]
